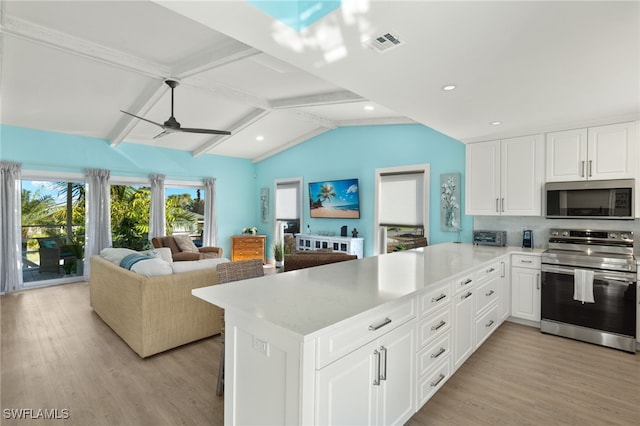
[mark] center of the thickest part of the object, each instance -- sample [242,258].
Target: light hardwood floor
[58,354]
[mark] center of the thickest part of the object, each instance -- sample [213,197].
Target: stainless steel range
[589,287]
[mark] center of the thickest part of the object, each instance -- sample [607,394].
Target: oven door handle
[602,275]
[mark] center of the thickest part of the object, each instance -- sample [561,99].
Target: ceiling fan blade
[165,132]
[143,119]
[207,131]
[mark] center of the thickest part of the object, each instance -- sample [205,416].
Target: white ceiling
[535,66]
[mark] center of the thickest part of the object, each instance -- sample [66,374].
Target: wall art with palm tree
[334,199]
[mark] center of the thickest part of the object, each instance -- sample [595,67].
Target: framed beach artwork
[450,202]
[334,199]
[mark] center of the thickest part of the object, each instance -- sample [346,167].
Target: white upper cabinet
[504,177]
[597,153]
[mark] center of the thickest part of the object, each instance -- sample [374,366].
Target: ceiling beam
[293,142]
[375,121]
[80,47]
[331,98]
[145,101]
[254,116]
[212,57]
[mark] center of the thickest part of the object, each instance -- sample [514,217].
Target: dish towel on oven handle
[583,286]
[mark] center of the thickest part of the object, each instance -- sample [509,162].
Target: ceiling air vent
[385,42]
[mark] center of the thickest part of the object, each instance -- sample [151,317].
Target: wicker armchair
[308,259]
[51,251]
[228,272]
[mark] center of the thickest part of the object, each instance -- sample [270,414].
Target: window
[288,202]
[402,206]
[184,211]
[53,221]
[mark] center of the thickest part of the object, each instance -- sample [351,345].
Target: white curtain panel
[210,231]
[98,213]
[10,221]
[157,219]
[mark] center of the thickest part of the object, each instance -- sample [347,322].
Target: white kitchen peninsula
[337,343]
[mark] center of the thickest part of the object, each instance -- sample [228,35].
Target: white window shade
[287,201]
[401,199]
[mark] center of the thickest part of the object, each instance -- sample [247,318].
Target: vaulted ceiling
[534,66]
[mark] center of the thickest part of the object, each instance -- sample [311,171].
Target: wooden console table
[245,247]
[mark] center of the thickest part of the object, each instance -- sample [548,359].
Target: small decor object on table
[252,230]
[354,233]
[449,202]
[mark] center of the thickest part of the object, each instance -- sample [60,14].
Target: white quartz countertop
[307,301]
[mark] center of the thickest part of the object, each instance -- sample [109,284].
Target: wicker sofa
[152,314]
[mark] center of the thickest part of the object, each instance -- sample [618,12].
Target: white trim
[47,175]
[378,231]
[299,180]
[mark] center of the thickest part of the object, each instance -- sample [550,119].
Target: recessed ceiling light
[448,87]
[496,123]
[259,138]
[368,108]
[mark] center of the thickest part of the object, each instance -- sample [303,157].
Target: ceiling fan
[172,125]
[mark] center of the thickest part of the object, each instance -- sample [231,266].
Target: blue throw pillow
[48,243]
[131,259]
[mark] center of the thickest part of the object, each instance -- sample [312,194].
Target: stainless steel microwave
[596,199]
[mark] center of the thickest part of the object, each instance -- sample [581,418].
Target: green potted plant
[278,253]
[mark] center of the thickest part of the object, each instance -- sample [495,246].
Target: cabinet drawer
[486,294]
[525,261]
[354,333]
[429,384]
[435,325]
[488,272]
[430,302]
[431,355]
[463,282]
[485,325]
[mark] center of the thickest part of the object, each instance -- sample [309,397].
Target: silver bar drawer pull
[490,270]
[383,362]
[489,324]
[382,324]
[467,281]
[376,377]
[437,382]
[490,293]
[439,326]
[465,295]
[439,298]
[526,261]
[437,354]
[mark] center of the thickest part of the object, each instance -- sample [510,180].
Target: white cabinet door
[464,325]
[504,301]
[397,398]
[525,288]
[522,171]
[505,177]
[612,152]
[482,178]
[566,155]
[374,384]
[346,393]
[597,153]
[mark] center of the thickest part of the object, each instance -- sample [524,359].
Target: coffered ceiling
[72,66]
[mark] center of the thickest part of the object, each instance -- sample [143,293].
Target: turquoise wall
[349,152]
[355,152]
[235,182]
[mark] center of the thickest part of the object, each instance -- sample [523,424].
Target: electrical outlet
[261,346]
